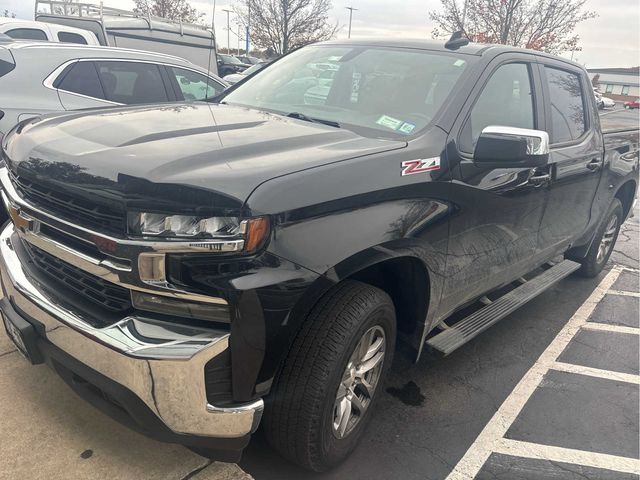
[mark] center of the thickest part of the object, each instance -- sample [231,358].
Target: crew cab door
[494,230]
[575,156]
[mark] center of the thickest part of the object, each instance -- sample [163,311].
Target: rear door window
[132,82]
[506,100]
[568,121]
[195,86]
[68,37]
[82,78]
[27,34]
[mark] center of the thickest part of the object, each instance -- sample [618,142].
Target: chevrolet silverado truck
[186,268]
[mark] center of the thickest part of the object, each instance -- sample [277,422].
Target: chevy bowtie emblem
[21,221]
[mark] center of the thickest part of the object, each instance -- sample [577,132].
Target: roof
[470,49]
[617,71]
[95,50]
[438,45]
[36,24]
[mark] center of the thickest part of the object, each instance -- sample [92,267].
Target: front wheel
[329,383]
[603,243]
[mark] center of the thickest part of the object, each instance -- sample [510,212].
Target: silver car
[41,77]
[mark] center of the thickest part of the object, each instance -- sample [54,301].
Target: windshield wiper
[302,116]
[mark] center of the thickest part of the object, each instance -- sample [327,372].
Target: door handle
[538,180]
[594,164]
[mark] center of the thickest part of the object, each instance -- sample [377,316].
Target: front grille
[112,297]
[80,211]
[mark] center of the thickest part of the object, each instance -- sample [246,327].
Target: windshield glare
[388,92]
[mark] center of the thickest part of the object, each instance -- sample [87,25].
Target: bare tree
[171,9]
[545,25]
[8,14]
[283,25]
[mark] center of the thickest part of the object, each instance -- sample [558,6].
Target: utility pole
[248,25]
[228,31]
[351,9]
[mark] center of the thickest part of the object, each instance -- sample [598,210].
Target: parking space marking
[596,372]
[492,436]
[623,293]
[607,327]
[518,448]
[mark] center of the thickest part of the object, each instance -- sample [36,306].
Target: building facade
[619,84]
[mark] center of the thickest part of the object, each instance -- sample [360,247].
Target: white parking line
[623,293]
[517,448]
[596,372]
[492,435]
[606,327]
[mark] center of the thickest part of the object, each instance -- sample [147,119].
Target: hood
[233,78]
[218,153]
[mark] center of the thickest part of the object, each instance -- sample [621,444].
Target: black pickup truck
[186,267]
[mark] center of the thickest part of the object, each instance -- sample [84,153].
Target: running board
[476,323]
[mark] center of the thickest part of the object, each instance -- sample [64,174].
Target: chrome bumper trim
[162,363]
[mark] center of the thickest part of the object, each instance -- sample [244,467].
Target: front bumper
[152,372]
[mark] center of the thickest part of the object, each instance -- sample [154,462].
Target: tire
[301,409]
[595,260]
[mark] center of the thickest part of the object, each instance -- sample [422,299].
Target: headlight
[252,231]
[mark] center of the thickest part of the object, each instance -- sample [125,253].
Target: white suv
[40,77]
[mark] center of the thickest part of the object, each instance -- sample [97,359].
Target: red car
[634,104]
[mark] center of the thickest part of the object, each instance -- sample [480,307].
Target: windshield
[377,91]
[230,59]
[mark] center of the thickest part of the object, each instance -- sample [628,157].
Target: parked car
[48,32]
[177,266]
[606,102]
[249,60]
[632,104]
[124,29]
[228,64]
[40,77]
[236,77]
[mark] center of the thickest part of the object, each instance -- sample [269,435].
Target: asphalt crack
[193,473]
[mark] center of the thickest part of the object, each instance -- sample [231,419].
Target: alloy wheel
[606,244]
[359,381]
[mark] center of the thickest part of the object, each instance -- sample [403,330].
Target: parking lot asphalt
[618,118]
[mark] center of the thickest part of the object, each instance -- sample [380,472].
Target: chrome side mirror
[511,147]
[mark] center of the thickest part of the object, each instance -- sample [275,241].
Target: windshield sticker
[355,86]
[459,63]
[409,167]
[389,122]
[407,128]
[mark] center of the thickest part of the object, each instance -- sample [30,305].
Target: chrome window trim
[53,76]
[126,249]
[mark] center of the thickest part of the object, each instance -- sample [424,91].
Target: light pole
[228,31]
[351,9]
[248,25]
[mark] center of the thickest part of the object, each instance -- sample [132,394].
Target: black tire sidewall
[590,265]
[334,449]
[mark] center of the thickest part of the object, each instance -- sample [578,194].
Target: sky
[610,40]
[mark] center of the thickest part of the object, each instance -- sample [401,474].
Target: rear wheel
[603,243]
[329,383]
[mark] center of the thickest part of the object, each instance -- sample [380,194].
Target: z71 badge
[409,167]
